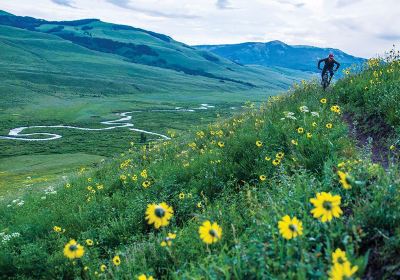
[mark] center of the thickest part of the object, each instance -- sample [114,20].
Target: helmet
[331,55]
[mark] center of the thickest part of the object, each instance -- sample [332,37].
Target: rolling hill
[277,53]
[130,49]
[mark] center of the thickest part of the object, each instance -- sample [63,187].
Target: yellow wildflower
[344,180]
[159,214]
[146,184]
[342,271]
[73,250]
[290,227]
[89,242]
[210,233]
[326,206]
[116,260]
[144,277]
[339,256]
[276,162]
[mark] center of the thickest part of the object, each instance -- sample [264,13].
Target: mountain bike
[326,80]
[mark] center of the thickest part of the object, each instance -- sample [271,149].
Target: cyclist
[329,64]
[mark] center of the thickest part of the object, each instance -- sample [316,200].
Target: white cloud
[360,27]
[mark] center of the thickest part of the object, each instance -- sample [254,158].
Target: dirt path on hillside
[371,131]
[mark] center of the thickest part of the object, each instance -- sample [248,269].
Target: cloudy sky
[360,27]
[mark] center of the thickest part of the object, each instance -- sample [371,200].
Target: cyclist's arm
[319,63]
[337,64]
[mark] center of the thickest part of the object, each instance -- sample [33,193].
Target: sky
[360,27]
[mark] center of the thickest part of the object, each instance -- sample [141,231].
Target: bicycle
[326,81]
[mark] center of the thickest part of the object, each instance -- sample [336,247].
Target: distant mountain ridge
[138,46]
[277,53]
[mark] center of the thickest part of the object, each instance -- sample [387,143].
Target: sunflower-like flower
[326,206]
[294,142]
[263,177]
[339,256]
[335,109]
[57,229]
[329,125]
[73,250]
[309,135]
[280,155]
[314,124]
[323,100]
[276,162]
[342,271]
[116,260]
[210,233]
[146,184]
[103,267]
[259,143]
[89,242]
[144,173]
[181,195]
[290,227]
[159,214]
[344,179]
[300,130]
[145,277]
[221,144]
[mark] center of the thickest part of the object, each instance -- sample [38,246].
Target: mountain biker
[329,64]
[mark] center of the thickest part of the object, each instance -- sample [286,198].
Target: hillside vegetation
[280,191]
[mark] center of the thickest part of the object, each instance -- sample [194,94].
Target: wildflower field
[284,190]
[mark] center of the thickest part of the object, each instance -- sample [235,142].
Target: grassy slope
[47,80]
[226,183]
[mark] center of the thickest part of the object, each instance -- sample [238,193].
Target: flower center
[327,205]
[73,247]
[160,212]
[213,233]
[340,260]
[293,227]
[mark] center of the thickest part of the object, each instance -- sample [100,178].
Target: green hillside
[80,73]
[288,186]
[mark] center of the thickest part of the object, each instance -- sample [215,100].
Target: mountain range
[78,54]
[279,54]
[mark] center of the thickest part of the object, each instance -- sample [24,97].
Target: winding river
[124,121]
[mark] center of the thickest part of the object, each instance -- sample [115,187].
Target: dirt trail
[373,128]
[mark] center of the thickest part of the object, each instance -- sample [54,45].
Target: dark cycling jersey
[329,64]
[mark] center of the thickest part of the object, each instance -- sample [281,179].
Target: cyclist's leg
[322,75]
[331,74]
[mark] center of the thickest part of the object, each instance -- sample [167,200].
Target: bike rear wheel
[325,80]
